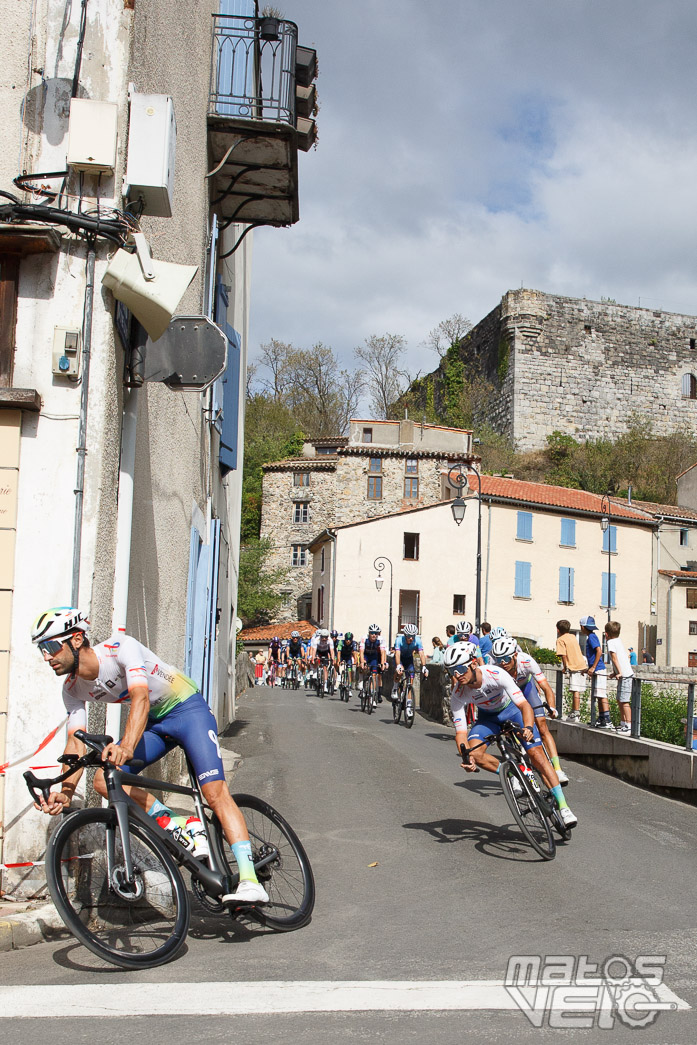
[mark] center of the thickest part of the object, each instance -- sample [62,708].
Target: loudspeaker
[152,301]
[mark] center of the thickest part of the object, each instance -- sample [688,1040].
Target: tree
[275,357]
[321,397]
[447,333]
[271,434]
[382,356]
[258,596]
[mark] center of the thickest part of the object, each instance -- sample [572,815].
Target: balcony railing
[252,76]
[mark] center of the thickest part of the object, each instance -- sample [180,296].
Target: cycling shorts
[348,656]
[489,723]
[409,668]
[190,725]
[295,656]
[322,656]
[532,695]
[373,662]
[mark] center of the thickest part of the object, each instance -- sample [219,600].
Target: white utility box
[66,352]
[152,141]
[92,133]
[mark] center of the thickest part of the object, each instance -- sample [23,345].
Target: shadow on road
[503,843]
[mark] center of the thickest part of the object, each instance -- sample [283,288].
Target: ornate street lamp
[379,565]
[458,480]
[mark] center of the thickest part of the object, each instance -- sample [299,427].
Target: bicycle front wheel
[136,925]
[397,707]
[527,810]
[409,708]
[281,864]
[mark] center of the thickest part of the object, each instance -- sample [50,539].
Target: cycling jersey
[495,693]
[124,663]
[322,647]
[528,673]
[295,649]
[347,649]
[275,651]
[408,649]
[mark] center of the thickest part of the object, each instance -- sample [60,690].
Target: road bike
[331,679]
[271,674]
[345,682]
[114,873]
[403,700]
[292,677]
[369,693]
[531,803]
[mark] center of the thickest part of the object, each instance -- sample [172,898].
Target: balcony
[260,101]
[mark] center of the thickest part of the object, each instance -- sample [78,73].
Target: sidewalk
[24,922]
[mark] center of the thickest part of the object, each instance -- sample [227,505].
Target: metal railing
[252,77]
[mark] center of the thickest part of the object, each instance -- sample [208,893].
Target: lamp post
[379,565]
[606,527]
[458,480]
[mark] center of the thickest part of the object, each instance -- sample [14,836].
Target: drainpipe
[673,581]
[82,425]
[488,561]
[332,538]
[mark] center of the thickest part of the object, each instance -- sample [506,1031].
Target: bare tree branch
[386,380]
[449,332]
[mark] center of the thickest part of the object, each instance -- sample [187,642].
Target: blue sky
[470,146]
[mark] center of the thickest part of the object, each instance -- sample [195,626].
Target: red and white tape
[23,758]
[40,863]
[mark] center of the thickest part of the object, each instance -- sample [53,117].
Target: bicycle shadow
[442,736]
[486,788]
[500,842]
[89,962]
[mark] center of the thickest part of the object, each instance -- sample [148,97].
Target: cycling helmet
[373,629]
[324,633]
[410,629]
[58,622]
[498,633]
[504,649]
[295,634]
[335,634]
[349,636]
[463,628]
[459,656]
[275,639]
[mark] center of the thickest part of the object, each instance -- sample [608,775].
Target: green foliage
[453,379]
[660,713]
[271,434]
[258,596]
[541,654]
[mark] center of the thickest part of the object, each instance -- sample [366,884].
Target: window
[375,464]
[524,531]
[566,584]
[568,533]
[684,538]
[412,466]
[408,608]
[326,449]
[689,386]
[603,594]
[367,435]
[691,602]
[374,487]
[299,556]
[301,511]
[522,580]
[610,540]
[586,328]
[321,562]
[301,478]
[411,545]
[693,627]
[411,488]
[458,605]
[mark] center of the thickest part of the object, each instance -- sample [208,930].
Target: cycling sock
[158,808]
[556,763]
[242,852]
[559,796]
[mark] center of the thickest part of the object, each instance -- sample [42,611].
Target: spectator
[485,642]
[694,731]
[596,666]
[623,672]
[438,651]
[646,657]
[450,633]
[259,668]
[574,664]
[632,656]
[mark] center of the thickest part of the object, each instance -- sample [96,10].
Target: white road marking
[221,998]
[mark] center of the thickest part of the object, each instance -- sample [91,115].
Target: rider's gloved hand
[399,670]
[424,672]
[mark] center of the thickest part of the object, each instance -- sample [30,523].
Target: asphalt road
[421,876]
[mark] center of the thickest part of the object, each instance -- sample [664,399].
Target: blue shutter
[568,533]
[211,613]
[566,584]
[194,553]
[522,580]
[229,391]
[201,608]
[610,539]
[524,526]
[603,600]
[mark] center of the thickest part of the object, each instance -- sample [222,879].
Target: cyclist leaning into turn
[498,700]
[406,645]
[166,710]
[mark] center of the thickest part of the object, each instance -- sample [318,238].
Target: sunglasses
[459,671]
[50,646]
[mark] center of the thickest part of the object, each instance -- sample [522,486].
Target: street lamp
[606,527]
[458,480]
[379,565]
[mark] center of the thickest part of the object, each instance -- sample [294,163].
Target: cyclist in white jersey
[165,709]
[498,700]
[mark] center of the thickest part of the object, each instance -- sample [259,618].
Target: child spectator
[621,670]
[596,666]
[574,664]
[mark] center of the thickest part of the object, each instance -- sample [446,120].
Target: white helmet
[460,656]
[58,622]
[410,629]
[324,633]
[295,634]
[373,629]
[504,649]
[498,633]
[463,628]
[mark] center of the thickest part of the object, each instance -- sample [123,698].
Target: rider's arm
[594,665]
[60,800]
[135,725]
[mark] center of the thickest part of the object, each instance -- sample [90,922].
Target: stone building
[380,467]
[577,366]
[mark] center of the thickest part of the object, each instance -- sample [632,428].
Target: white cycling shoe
[247,892]
[568,817]
[563,778]
[516,787]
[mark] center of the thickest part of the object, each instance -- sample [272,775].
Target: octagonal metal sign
[189,356]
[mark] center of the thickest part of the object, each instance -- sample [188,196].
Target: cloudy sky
[467,147]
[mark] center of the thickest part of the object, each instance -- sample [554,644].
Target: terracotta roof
[377,450]
[265,632]
[326,461]
[554,497]
[675,511]
[689,574]
[337,440]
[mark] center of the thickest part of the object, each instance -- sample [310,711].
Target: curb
[22,930]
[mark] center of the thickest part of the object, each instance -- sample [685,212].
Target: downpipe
[82,425]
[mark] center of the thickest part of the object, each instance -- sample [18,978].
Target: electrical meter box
[152,140]
[66,352]
[92,132]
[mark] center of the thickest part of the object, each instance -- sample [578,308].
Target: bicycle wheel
[136,926]
[527,811]
[370,698]
[409,711]
[281,862]
[397,706]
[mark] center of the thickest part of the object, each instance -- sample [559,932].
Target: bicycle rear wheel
[397,706]
[281,863]
[409,710]
[527,811]
[370,699]
[136,926]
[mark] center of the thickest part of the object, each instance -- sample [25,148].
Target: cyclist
[295,651]
[498,700]
[166,709]
[532,683]
[322,652]
[348,655]
[273,660]
[373,656]
[406,645]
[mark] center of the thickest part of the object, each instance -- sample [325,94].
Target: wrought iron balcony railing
[253,69]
